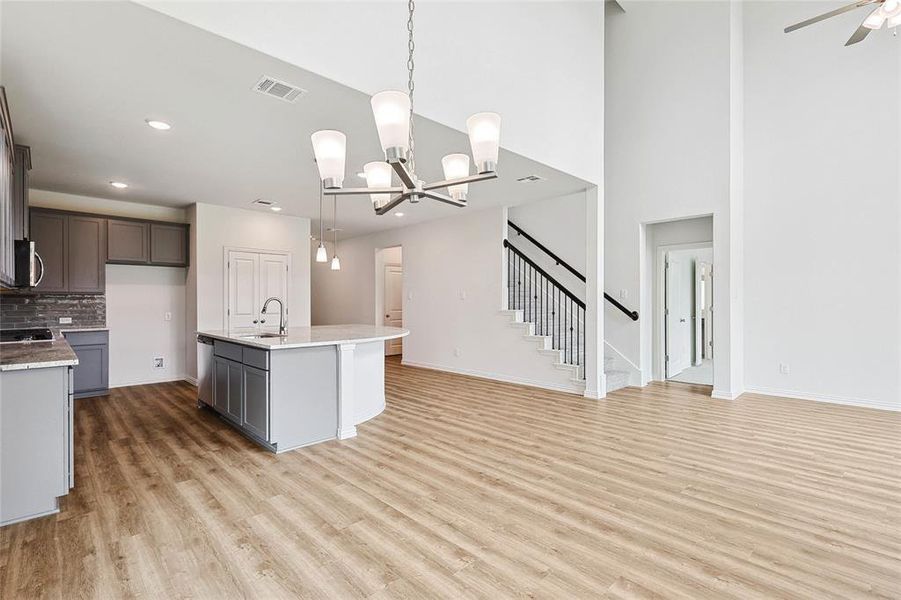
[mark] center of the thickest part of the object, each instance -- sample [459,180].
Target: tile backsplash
[25,308]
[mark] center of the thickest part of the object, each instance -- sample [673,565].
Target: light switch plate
[65,320]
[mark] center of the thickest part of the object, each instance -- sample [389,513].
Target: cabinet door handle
[255,321]
[262,320]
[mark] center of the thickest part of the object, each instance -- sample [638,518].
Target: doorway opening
[680,268]
[687,316]
[389,294]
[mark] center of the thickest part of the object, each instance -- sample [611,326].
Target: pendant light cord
[411,6]
[335,224]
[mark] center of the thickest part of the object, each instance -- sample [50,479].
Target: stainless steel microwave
[29,266]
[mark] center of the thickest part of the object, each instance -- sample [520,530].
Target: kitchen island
[287,391]
[36,427]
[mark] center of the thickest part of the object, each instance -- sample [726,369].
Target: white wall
[538,64]
[669,141]
[560,225]
[822,207]
[384,257]
[137,300]
[218,227]
[453,294]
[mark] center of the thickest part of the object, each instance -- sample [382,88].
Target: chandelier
[393,114]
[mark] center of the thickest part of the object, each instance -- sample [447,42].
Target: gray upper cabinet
[49,231]
[73,250]
[128,242]
[21,167]
[87,254]
[168,245]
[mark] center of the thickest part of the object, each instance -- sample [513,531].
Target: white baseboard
[724,394]
[191,380]
[165,379]
[574,389]
[844,400]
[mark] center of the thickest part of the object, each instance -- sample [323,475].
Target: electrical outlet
[168,316]
[65,320]
[462,295]
[457,352]
[624,294]
[158,362]
[784,369]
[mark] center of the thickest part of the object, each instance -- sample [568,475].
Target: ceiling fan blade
[858,35]
[828,15]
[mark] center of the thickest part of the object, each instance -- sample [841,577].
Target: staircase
[551,316]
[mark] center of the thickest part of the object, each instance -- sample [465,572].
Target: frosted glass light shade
[336,263]
[894,21]
[321,254]
[456,166]
[484,137]
[330,150]
[875,19]
[378,175]
[391,110]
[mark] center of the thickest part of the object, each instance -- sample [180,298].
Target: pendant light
[336,262]
[321,252]
[392,111]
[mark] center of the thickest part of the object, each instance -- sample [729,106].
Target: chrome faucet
[282,328]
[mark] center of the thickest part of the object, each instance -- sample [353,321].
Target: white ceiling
[81,78]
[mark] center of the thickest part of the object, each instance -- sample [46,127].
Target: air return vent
[531,179]
[262,202]
[270,86]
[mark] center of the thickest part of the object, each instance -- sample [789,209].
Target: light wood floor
[468,488]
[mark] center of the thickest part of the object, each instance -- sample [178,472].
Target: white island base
[312,385]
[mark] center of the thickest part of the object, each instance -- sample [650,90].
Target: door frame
[659,304]
[225,289]
[378,288]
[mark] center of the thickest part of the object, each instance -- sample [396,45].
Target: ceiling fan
[887,12]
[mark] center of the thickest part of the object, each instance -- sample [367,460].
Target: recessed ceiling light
[275,208]
[361,175]
[398,214]
[118,185]
[161,125]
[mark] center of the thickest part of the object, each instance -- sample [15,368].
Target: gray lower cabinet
[35,442]
[241,387]
[228,388]
[91,375]
[256,401]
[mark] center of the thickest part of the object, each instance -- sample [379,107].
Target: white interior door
[697,314]
[243,289]
[679,285]
[394,310]
[273,282]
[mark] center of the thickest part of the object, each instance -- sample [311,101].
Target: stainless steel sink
[257,336]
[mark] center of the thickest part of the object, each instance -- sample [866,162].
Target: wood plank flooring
[469,488]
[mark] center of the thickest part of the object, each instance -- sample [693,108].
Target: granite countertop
[37,355]
[305,337]
[82,329]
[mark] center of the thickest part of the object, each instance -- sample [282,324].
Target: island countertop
[306,337]
[37,355]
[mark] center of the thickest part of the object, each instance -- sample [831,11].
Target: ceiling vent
[270,86]
[262,202]
[531,179]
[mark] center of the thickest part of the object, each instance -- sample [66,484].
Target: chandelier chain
[411,45]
